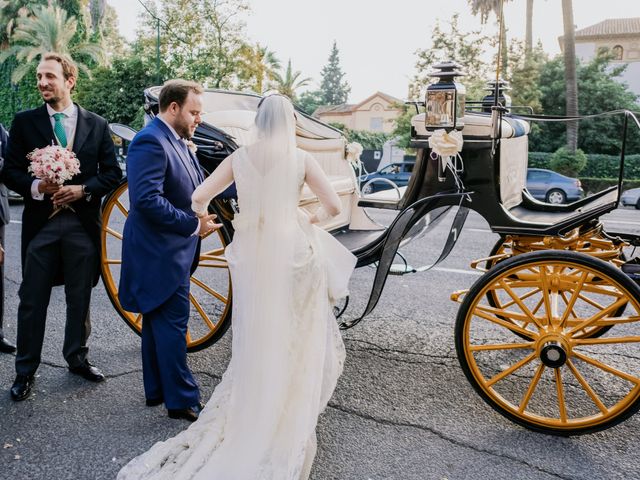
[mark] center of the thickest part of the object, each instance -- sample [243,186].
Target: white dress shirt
[69,122]
[178,138]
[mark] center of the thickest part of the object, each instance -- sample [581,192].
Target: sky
[377,40]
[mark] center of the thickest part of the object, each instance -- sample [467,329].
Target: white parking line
[16,221]
[457,270]
[637,224]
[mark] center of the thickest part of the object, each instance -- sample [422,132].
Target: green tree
[466,48]
[484,8]
[570,75]
[116,92]
[524,78]
[48,28]
[310,100]
[599,91]
[200,40]
[335,91]
[289,82]
[259,66]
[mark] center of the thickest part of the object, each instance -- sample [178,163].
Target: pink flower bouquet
[54,164]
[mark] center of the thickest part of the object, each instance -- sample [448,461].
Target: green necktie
[58,129]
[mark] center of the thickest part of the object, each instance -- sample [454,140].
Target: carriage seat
[328,152]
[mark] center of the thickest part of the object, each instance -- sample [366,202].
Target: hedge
[594,185]
[599,166]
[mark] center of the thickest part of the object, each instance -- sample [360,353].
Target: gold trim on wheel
[210,284]
[528,357]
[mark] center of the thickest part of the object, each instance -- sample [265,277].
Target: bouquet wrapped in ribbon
[54,164]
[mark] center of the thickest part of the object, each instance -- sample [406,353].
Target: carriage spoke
[522,297]
[112,261]
[531,389]
[138,320]
[500,346]
[572,301]
[209,290]
[606,341]
[597,316]
[587,387]
[545,294]
[506,324]
[511,369]
[215,252]
[201,311]
[111,231]
[607,368]
[520,303]
[561,401]
[122,208]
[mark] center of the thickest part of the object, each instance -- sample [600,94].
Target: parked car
[551,187]
[13,196]
[398,173]
[631,198]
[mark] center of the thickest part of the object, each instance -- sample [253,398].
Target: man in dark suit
[5,345]
[160,247]
[63,247]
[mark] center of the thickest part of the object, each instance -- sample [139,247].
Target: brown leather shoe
[6,346]
[191,414]
[21,387]
[88,372]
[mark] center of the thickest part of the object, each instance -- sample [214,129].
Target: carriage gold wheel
[528,359]
[591,242]
[210,284]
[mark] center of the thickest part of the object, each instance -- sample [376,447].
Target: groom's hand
[207,224]
[67,194]
[47,187]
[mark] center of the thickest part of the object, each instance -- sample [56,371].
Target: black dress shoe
[191,414]
[88,372]
[6,346]
[154,402]
[21,387]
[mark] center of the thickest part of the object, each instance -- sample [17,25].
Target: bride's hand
[207,225]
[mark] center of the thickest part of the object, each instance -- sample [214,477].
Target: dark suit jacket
[4,202]
[159,248]
[99,169]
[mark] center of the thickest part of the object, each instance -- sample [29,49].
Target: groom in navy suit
[161,246]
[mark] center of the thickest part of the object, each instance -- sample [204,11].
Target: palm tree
[484,8]
[261,64]
[47,29]
[528,42]
[10,11]
[570,76]
[291,82]
[97,8]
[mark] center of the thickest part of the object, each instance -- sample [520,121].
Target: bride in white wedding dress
[287,353]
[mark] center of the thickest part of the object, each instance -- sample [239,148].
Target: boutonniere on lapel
[54,164]
[191,146]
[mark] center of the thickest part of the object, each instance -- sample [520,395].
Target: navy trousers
[164,353]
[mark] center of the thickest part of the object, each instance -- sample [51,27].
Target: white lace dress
[287,352]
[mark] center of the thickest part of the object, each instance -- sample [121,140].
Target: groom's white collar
[171,129]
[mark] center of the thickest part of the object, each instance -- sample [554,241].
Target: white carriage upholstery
[329,152]
[514,150]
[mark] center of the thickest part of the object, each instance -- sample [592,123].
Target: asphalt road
[403,409]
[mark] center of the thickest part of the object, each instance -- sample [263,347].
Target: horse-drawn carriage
[548,336]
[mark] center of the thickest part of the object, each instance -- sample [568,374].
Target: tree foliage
[453,43]
[116,92]
[335,90]
[289,82]
[598,92]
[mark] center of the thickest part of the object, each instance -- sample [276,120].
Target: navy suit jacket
[159,249]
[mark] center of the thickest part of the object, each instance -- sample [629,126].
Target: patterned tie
[58,129]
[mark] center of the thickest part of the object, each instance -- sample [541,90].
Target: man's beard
[184,131]
[51,100]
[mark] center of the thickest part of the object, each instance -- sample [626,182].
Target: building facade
[621,37]
[376,113]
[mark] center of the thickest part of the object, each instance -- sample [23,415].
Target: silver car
[631,198]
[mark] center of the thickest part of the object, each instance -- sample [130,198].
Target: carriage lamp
[504,100]
[445,99]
